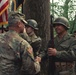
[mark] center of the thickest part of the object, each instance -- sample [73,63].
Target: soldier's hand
[24,30]
[52,51]
[38,59]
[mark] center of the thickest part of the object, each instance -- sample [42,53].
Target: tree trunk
[40,11]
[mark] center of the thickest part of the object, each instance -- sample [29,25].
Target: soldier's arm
[29,65]
[70,54]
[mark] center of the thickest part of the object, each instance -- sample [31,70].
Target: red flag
[3,11]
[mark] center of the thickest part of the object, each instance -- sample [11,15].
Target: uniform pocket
[64,47]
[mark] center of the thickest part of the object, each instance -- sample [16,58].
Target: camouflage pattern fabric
[14,54]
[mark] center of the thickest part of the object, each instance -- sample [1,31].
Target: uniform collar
[13,32]
[33,38]
[65,37]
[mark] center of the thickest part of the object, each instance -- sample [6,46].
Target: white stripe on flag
[2,2]
[4,17]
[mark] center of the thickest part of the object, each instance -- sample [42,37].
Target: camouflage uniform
[66,53]
[13,49]
[25,36]
[34,40]
[36,44]
[16,54]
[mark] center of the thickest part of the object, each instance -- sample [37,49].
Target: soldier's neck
[14,29]
[62,35]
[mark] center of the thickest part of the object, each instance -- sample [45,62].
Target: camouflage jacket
[25,36]
[14,54]
[35,42]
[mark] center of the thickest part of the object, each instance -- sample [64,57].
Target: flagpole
[2,28]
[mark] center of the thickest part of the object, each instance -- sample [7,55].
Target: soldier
[16,55]
[65,48]
[35,40]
